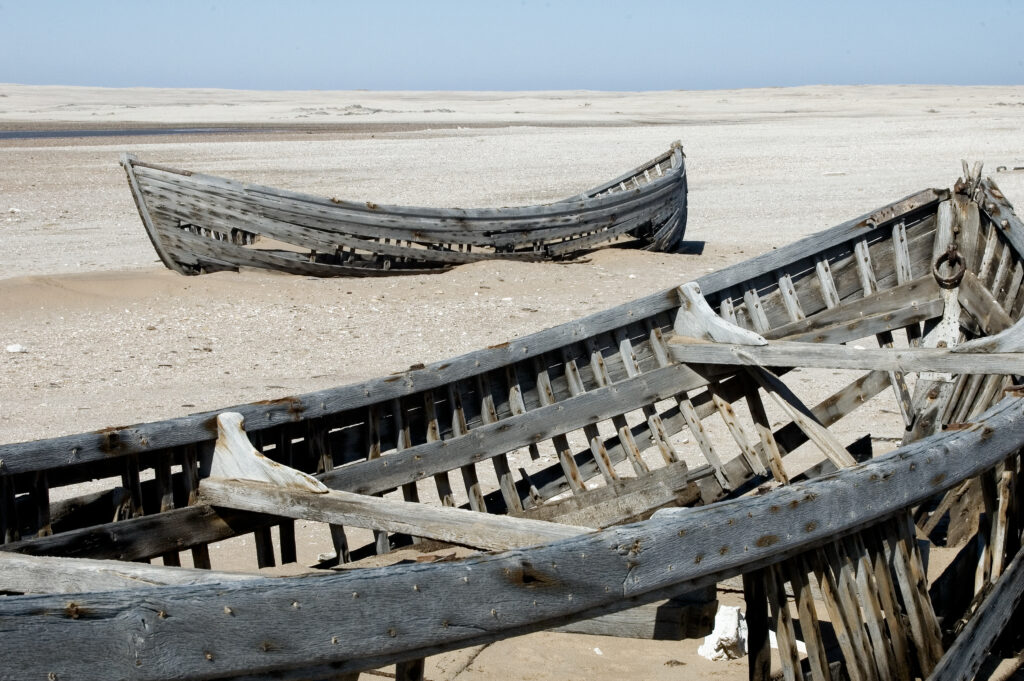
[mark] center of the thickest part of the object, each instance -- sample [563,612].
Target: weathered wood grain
[23,574]
[453,525]
[182,628]
[827,356]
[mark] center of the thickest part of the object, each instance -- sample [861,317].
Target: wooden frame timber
[679,413]
[201,223]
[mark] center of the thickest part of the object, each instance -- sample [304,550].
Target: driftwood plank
[41,575]
[827,356]
[453,525]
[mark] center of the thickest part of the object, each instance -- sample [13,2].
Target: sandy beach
[111,337]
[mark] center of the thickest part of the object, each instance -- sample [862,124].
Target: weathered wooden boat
[201,223]
[605,419]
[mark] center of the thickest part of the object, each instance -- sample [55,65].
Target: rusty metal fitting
[955,261]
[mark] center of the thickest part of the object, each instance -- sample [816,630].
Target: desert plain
[107,336]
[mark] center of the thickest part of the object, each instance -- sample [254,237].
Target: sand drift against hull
[540,449]
[200,223]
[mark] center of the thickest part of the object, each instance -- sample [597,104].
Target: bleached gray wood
[51,575]
[696,319]
[739,435]
[508,434]
[756,311]
[826,356]
[1008,340]
[624,499]
[993,203]
[512,592]
[982,306]
[127,161]
[920,294]
[220,208]
[453,525]
[802,417]
[827,285]
[963,659]
[790,299]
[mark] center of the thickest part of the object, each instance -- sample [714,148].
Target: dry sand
[113,338]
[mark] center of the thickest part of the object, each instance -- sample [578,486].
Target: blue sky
[509,45]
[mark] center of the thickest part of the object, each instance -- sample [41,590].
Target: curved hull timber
[201,223]
[653,407]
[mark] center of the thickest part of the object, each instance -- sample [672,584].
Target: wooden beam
[516,431]
[827,356]
[453,525]
[21,574]
[963,659]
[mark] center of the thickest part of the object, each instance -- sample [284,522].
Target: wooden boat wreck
[557,439]
[201,223]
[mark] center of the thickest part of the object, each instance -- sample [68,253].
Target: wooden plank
[919,293]
[623,500]
[453,525]
[502,469]
[964,658]
[739,435]
[827,356]
[979,302]
[759,655]
[145,536]
[782,620]
[809,626]
[23,574]
[769,446]
[826,283]
[509,434]
[756,311]
[847,627]
[616,557]
[789,298]
[913,589]
[802,417]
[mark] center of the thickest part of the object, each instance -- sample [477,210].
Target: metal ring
[956,261]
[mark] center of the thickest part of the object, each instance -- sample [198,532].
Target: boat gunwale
[644,560]
[544,210]
[81,448]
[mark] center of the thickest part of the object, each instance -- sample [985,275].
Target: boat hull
[201,223]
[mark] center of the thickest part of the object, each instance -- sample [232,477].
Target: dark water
[122,132]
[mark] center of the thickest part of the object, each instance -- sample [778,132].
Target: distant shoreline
[53,130]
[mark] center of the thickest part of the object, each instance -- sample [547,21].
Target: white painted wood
[234,458]
[696,319]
